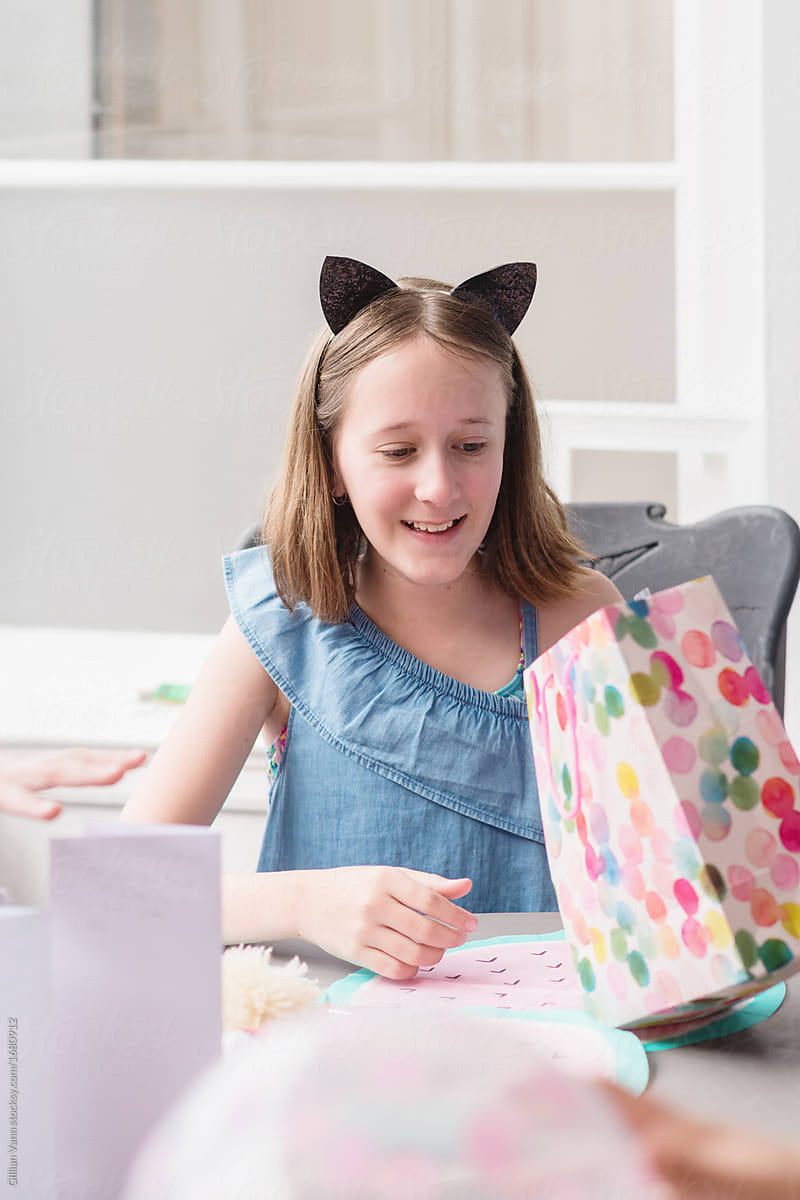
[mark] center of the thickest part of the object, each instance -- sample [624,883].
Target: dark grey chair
[753,554]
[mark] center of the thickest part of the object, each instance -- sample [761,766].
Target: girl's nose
[436,482]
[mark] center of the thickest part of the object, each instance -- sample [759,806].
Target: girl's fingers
[451,888]
[700,1159]
[88,767]
[414,934]
[24,803]
[418,928]
[385,964]
[68,768]
[402,955]
[412,890]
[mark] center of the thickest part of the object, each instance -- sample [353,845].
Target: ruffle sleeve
[451,743]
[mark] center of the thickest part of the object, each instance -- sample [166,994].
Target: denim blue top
[390,761]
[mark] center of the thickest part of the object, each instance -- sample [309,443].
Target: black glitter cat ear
[346,286]
[505,292]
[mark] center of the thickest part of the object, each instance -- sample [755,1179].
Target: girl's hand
[701,1160]
[25,773]
[391,920]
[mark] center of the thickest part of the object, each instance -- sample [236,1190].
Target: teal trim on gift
[631,1061]
[341,992]
[758,1009]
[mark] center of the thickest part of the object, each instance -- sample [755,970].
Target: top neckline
[465,693]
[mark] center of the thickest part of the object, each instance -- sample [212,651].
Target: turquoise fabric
[515,688]
[390,761]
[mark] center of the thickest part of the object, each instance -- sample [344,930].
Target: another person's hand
[389,919]
[703,1161]
[26,773]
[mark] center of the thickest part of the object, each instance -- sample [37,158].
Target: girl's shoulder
[594,591]
[248,578]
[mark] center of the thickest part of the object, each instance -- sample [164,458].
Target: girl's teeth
[431,528]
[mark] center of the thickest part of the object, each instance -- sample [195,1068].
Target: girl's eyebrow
[401,425]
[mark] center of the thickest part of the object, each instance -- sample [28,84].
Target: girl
[413,561]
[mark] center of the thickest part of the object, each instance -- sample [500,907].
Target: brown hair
[314,544]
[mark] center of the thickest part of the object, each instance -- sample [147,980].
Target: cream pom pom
[255,991]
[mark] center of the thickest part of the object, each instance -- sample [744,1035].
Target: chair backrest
[753,554]
[248,537]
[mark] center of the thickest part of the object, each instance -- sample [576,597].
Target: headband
[346,286]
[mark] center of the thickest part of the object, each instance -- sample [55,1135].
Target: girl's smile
[419,452]
[425,527]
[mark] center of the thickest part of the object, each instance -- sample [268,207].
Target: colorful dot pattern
[670,798]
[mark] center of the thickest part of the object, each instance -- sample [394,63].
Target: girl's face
[419,451]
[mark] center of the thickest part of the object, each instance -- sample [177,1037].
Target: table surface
[751,1077]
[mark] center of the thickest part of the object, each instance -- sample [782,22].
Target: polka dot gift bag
[669,795]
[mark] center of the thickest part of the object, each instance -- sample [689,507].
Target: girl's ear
[337,483]
[346,286]
[505,292]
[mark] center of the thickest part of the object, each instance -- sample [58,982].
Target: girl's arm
[389,919]
[191,774]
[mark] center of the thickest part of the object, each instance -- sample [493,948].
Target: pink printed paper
[669,797]
[521,975]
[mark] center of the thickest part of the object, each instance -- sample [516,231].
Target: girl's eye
[472,447]
[399,452]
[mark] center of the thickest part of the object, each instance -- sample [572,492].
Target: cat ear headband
[346,286]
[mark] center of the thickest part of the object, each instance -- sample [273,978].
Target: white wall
[45,78]
[781,217]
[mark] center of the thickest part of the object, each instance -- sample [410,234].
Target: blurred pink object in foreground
[387,1104]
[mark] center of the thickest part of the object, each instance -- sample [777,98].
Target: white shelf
[319,176]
